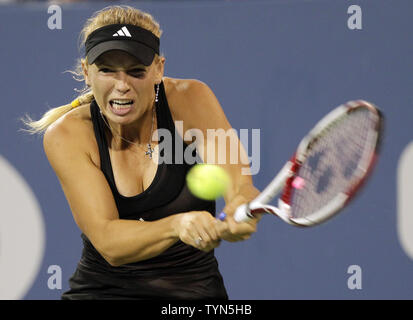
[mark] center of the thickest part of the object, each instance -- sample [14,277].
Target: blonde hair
[109,15]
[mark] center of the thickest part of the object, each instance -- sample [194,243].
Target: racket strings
[337,159]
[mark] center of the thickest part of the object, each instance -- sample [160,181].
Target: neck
[138,132]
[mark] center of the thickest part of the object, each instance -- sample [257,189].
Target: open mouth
[120,107]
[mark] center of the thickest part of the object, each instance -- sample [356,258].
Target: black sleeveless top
[181,271]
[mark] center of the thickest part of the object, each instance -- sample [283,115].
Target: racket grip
[241,214]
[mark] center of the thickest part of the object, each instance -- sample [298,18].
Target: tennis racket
[328,169]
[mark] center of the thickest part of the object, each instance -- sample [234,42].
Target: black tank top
[181,271]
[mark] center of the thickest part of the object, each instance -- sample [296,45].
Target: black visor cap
[141,52]
[136,41]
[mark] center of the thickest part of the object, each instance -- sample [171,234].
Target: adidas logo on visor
[122,33]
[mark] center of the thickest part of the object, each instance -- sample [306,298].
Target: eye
[137,73]
[105,70]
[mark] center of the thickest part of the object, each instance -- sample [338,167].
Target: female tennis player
[145,235]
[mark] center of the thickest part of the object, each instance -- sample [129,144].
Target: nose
[121,82]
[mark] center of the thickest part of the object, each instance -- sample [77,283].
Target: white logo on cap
[123,33]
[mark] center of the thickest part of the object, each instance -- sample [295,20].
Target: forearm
[241,191]
[128,241]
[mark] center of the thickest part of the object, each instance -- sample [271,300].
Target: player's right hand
[197,229]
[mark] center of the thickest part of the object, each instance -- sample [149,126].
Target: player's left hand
[232,231]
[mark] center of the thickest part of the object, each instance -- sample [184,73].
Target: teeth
[122,102]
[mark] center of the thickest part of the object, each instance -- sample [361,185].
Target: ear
[160,67]
[85,72]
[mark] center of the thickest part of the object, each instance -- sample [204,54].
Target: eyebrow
[108,65]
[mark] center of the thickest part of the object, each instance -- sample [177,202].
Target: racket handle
[241,214]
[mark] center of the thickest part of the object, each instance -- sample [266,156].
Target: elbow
[109,255]
[107,248]
[114,262]
[111,259]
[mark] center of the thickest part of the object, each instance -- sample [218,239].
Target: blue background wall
[274,65]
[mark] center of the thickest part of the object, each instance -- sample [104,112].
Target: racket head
[332,163]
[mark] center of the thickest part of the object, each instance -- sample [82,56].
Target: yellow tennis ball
[207,181]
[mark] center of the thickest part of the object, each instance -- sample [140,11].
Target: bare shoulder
[184,86]
[191,100]
[71,135]
[185,91]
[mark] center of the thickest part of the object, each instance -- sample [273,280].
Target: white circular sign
[22,234]
[405,200]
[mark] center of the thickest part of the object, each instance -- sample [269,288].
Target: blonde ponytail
[52,115]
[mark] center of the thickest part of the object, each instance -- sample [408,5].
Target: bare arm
[94,209]
[201,110]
